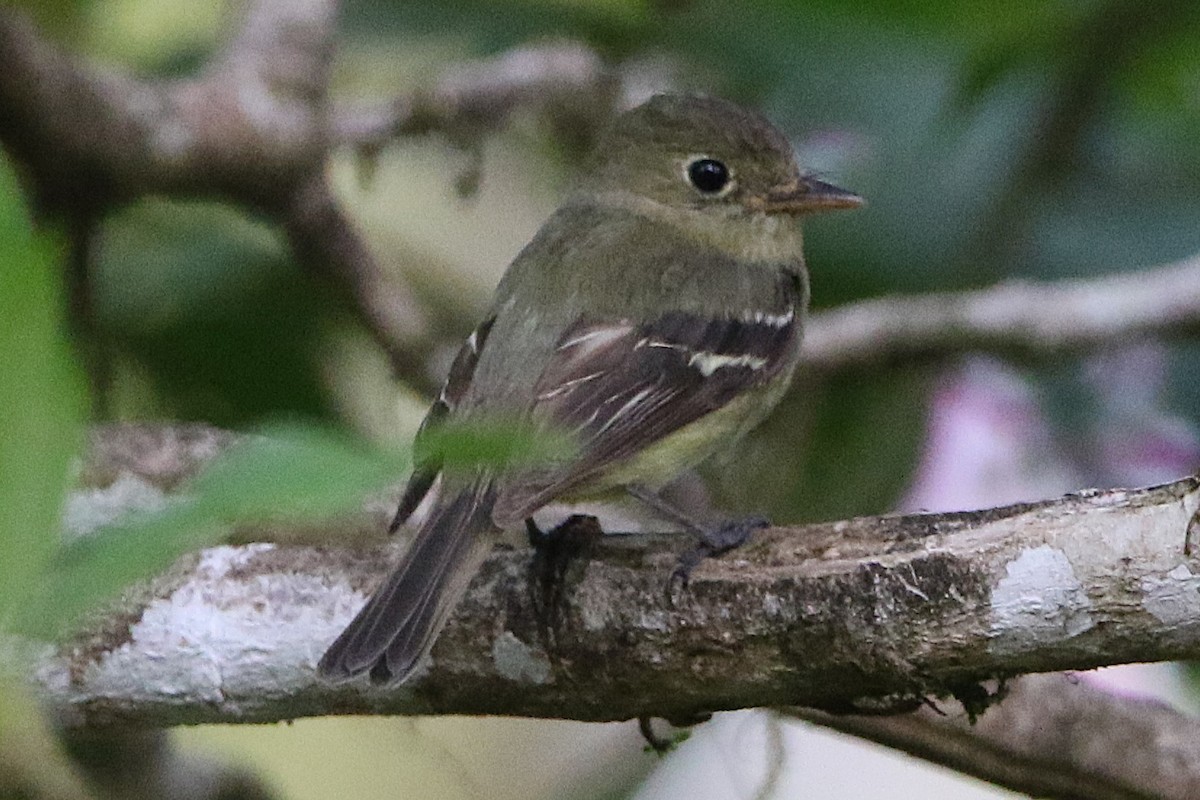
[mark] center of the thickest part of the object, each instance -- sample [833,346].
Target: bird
[655,317]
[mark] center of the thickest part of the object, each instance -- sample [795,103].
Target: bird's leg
[555,552]
[715,539]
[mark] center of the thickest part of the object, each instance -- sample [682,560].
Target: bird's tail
[399,623]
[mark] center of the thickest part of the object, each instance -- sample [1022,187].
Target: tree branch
[1013,318]
[243,130]
[839,616]
[1053,736]
[139,764]
[257,127]
[478,96]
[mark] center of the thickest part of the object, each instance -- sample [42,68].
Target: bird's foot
[556,553]
[714,542]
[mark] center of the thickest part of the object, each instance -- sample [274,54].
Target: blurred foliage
[498,442]
[993,140]
[835,448]
[295,472]
[41,428]
[298,473]
[211,317]
[32,763]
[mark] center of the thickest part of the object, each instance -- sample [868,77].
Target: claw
[714,542]
[732,534]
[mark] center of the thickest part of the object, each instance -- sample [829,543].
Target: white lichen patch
[91,509]
[1038,601]
[228,631]
[653,620]
[592,616]
[772,606]
[1173,598]
[518,661]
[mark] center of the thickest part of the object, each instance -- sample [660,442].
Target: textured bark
[861,613]
[1053,736]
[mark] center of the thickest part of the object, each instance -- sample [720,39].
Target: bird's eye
[708,175]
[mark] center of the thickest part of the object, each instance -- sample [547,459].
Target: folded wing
[620,386]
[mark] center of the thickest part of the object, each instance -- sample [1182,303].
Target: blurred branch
[256,128]
[134,764]
[1053,736]
[860,614]
[251,129]
[479,96]
[1014,318]
[324,238]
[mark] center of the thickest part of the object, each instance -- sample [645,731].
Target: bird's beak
[805,196]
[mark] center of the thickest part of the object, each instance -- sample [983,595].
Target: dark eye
[708,175]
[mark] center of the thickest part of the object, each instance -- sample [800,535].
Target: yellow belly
[664,460]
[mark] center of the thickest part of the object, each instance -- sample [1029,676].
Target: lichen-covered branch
[245,129]
[1014,318]
[253,128]
[841,616]
[1053,736]
[478,96]
[256,127]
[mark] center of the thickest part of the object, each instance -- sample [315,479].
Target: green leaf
[494,443]
[287,472]
[290,472]
[294,472]
[93,568]
[41,394]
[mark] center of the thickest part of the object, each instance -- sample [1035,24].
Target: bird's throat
[738,232]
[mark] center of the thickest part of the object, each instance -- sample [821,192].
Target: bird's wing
[427,466]
[620,386]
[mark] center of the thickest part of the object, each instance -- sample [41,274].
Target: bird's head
[703,154]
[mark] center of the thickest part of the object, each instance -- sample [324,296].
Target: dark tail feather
[399,623]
